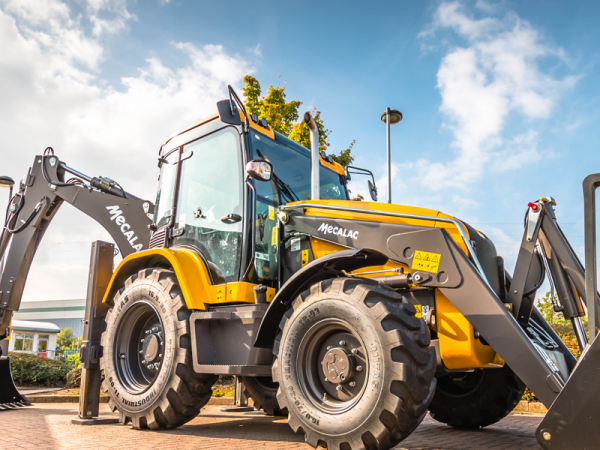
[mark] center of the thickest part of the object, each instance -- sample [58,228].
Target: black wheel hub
[139,347]
[333,366]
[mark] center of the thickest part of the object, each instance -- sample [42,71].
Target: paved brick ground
[48,426]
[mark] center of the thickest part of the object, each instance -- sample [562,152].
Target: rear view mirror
[228,112]
[259,170]
[373,190]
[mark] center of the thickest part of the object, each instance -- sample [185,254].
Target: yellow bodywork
[458,347]
[192,275]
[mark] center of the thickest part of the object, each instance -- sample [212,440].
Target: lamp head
[6,182]
[395,116]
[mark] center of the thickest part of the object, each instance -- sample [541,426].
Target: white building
[63,313]
[33,337]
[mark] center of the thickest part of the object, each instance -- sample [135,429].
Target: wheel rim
[139,348]
[332,366]
[460,384]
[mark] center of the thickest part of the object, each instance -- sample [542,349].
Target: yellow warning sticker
[419,313]
[304,257]
[274,236]
[426,261]
[220,294]
[271,213]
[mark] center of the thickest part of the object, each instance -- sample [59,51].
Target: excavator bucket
[9,395]
[572,420]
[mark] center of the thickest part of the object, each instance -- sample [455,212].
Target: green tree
[281,114]
[273,107]
[345,157]
[64,339]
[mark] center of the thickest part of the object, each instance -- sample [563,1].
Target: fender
[189,267]
[329,266]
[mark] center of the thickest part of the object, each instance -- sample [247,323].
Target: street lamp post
[390,117]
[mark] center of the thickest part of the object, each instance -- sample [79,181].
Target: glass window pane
[28,342]
[164,196]
[43,342]
[291,182]
[211,188]
[18,341]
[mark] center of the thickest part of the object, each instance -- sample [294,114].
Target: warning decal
[304,257]
[426,261]
[419,310]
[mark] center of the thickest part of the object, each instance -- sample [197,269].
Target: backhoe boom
[33,207]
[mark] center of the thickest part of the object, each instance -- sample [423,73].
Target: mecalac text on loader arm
[117,216]
[330,229]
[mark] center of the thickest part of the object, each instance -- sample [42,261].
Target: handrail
[403,215]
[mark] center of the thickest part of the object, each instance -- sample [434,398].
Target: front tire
[263,392]
[476,399]
[147,358]
[354,365]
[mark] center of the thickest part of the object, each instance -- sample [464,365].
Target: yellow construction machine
[354,319]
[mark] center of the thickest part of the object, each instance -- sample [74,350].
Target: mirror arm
[361,171]
[233,96]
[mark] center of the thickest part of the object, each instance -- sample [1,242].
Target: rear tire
[147,358]
[263,392]
[354,365]
[476,399]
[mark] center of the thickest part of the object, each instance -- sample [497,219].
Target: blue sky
[500,99]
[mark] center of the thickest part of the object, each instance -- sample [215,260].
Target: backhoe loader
[353,319]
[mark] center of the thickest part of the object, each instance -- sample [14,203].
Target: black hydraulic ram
[32,208]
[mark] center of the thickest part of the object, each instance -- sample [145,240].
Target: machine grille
[158,239]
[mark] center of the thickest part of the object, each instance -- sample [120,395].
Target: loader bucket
[9,396]
[572,420]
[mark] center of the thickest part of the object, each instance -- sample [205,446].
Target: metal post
[389,155]
[590,184]
[239,398]
[101,268]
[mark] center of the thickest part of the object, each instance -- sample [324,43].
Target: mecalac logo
[117,216]
[339,231]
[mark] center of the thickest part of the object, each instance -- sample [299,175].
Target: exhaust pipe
[315,182]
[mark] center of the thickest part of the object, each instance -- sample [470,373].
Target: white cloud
[497,75]
[52,95]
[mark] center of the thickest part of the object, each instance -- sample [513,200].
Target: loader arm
[32,208]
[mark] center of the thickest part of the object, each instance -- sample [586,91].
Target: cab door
[210,202]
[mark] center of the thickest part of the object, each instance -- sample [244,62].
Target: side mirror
[228,112]
[259,170]
[373,190]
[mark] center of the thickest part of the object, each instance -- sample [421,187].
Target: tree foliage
[280,114]
[64,339]
[345,157]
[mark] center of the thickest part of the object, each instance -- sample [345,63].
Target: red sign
[44,354]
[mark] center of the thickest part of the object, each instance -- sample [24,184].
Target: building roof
[26,325]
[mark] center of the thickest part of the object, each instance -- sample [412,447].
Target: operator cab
[205,197]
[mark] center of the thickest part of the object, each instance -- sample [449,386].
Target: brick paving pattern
[48,426]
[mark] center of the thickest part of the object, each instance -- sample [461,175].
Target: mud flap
[572,420]
[9,396]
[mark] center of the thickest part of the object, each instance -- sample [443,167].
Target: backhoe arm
[33,207]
